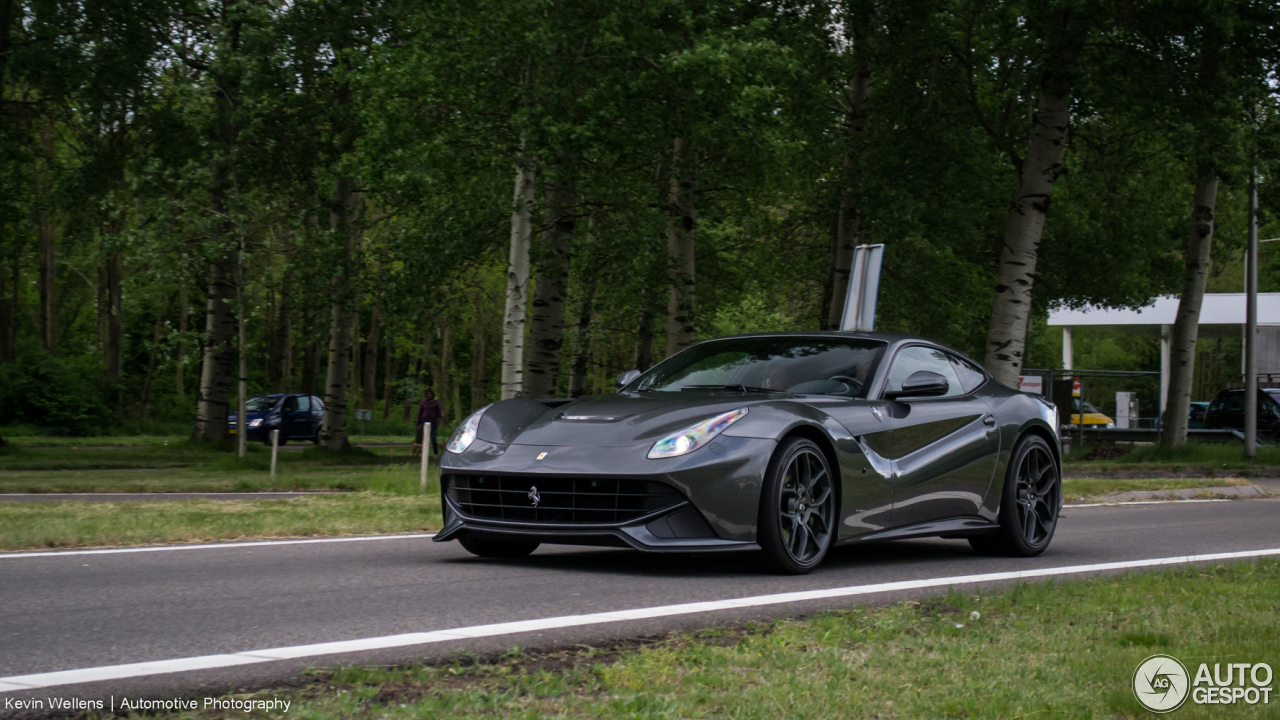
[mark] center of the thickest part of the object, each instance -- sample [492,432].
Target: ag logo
[1160,683]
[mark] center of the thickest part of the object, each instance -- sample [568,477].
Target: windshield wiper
[730,387]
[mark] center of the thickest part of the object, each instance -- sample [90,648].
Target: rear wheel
[488,547]
[1029,503]
[797,508]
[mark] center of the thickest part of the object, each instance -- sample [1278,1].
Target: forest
[362,199]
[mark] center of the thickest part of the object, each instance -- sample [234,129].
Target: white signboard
[1033,384]
[864,285]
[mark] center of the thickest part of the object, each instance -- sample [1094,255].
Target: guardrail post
[426,455]
[275,447]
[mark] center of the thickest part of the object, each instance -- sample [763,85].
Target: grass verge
[1076,489]
[27,526]
[389,501]
[1205,457]
[1064,650]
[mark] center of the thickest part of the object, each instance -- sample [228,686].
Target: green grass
[1193,455]
[1065,650]
[1076,489]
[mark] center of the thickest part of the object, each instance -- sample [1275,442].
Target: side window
[290,405]
[316,404]
[304,403]
[911,360]
[970,376]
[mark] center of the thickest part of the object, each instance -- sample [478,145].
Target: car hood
[620,419]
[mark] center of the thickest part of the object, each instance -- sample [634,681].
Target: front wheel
[797,508]
[1029,503]
[488,547]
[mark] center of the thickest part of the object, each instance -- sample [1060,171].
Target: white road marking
[1144,502]
[207,662]
[211,546]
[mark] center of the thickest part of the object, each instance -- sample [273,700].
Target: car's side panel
[944,453]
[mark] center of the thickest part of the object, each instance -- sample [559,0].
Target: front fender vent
[559,500]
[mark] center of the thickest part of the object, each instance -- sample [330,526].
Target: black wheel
[488,547]
[797,508]
[1029,503]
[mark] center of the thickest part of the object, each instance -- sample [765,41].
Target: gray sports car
[786,443]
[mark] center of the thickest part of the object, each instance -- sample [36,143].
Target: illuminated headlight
[466,432]
[695,436]
[255,422]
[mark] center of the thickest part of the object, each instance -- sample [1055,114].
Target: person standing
[429,411]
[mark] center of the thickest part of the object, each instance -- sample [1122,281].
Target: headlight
[255,422]
[1111,424]
[695,436]
[466,432]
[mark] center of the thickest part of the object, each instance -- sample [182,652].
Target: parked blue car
[1195,417]
[297,417]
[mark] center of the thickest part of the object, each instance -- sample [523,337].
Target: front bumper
[640,534]
[718,486]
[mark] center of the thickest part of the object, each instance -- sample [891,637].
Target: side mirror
[626,378]
[920,384]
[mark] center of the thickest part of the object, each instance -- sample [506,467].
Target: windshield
[1088,407]
[793,364]
[261,403]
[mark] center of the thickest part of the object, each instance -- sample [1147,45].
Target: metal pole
[275,448]
[426,454]
[1251,325]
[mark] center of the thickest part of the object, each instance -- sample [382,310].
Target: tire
[1030,502]
[488,547]
[797,521]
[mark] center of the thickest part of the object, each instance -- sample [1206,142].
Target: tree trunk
[180,361]
[311,353]
[113,342]
[477,355]
[282,347]
[4,311]
[343,315]
[682,222]
[215,366]
[829,284]
[1037,173]
[389,378]
[448,383]
[355,381]
[47,248]
[546,333]
[1186,325]
[513,319]
[643,357]
[848,220]
[156,336]
[581,344]
[372,343]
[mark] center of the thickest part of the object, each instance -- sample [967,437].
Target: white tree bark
[1037,173]
[1186,325]
[513,319]
[333,427]
[682,222]
[546,327]
[1015,277]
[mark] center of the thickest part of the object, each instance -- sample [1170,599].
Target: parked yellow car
[1093,417]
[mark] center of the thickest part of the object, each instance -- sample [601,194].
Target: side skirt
[953,528]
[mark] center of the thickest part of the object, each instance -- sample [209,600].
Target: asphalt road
[70,611]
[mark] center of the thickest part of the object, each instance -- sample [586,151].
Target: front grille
[562,500]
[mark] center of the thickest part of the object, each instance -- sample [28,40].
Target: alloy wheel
[1038,494]
[807,506]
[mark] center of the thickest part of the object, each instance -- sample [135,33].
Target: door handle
[989,420]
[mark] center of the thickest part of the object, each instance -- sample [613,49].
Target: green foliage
[62,395]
